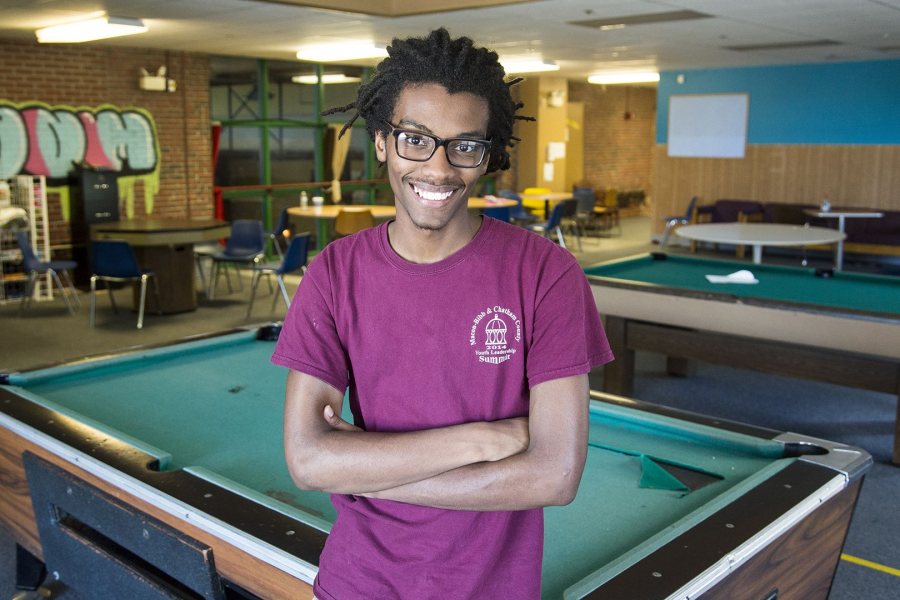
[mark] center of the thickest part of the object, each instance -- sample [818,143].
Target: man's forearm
[520,482]
[355,462]
[326,453]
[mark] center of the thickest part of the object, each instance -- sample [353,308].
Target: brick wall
[90,75]
[618,152]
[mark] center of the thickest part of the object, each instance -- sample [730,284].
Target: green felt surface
[846,291]
[217,409]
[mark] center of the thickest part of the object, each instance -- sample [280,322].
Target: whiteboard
[708,125]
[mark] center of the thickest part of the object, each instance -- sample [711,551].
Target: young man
[465,343]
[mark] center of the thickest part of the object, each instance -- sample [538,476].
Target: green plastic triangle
[655,477]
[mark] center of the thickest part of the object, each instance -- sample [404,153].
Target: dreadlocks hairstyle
[457,65]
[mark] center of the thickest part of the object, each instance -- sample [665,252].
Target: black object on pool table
[94,542]
[825,273]
[269,333]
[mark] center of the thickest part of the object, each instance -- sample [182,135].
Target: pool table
[179,447]
[821,324]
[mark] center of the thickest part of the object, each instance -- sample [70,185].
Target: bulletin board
[708,125]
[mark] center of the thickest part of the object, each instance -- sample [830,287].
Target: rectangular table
[188,438]
[830,326]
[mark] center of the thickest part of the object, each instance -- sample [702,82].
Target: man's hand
[510,437]
[336,422]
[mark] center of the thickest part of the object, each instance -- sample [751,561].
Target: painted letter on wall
[38,139]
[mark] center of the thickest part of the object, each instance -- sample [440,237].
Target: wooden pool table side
[253,573]
[816,544]
[837,347]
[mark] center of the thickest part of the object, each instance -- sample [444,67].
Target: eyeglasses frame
[439,142]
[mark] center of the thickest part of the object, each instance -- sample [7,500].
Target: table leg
[321,233]
[174,268]
[839,253]
[757,253]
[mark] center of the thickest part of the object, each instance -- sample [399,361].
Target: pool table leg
[618,376]
[30,570]
[678,366]
[896,456]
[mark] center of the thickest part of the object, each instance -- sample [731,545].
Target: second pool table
[831,326]
[184,443]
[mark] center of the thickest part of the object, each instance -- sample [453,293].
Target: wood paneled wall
[848,175]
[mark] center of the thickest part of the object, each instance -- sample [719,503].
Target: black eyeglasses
[420,147]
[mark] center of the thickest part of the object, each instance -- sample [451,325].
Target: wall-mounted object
[156,83]
[556,151]
[556,99]
[708,125]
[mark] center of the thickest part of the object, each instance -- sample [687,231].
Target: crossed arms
[511,464]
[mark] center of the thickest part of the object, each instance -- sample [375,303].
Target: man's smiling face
[433,194]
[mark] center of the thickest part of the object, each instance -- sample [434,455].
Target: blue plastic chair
[114,261]
[293,260]
[276,234]
[673,221]
[246,246]
[35,268]
[517,213]
[501,213]
[553,223]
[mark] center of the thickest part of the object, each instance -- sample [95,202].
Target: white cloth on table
[742,276]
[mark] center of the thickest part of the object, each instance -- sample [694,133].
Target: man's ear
[380,147]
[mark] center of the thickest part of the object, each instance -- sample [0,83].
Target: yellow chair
[535,205]
[351,219]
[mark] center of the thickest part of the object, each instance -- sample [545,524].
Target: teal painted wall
[844,103]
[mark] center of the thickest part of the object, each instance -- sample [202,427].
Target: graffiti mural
[38,139]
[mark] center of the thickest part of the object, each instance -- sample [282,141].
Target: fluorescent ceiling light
[527,65]
[342,51]
[624,77]
[326,78]
[92,29]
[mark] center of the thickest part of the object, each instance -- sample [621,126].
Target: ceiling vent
[627,20]
[782,46]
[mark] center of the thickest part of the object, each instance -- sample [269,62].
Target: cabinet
[28,193]
[94,199]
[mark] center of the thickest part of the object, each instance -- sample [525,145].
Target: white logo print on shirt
[489,334]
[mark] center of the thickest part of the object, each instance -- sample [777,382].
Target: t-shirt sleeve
[309,340]
[568,337]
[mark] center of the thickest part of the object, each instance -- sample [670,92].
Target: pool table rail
[727,293]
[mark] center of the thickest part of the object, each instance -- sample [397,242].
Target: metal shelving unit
[30,193]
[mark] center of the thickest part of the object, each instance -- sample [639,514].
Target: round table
[758,235]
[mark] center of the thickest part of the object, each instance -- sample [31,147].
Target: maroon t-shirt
[430,345]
